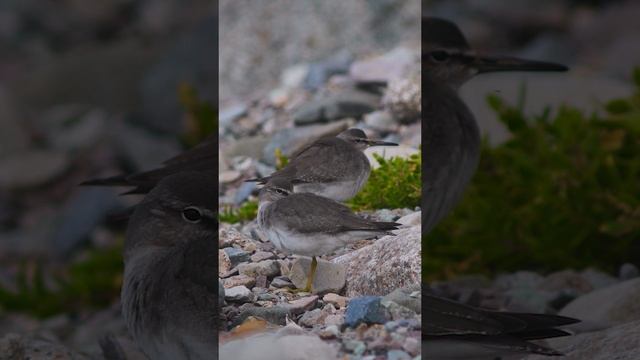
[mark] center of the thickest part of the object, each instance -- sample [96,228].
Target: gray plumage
[451,144]
[308,224]
[169,293]
[333,167]
[455,331]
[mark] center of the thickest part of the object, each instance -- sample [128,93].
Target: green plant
[201,116]
[564,191]
[92,282]
[247,211]
[397,183]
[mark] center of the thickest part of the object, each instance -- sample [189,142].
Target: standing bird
[169,292]
[450,135]
[333,167]
[202,157]
[311,225]
[451,141]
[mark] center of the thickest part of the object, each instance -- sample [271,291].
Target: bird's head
[275,189]
[359,140]
[447,57]
[181,208]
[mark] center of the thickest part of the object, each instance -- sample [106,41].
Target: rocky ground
[365,303]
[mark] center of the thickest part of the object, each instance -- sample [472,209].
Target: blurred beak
[485,64]
[380,143]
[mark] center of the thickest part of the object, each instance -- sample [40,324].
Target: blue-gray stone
[236,256]
[365,309]
[243,192]
[398,355]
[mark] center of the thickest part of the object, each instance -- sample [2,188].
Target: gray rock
[243,192]
[628,271]
[73,127]
[357,347]
[386,67]
[329,277]
[275,347]
[292,139]
[31,168]
[263,255]
[229,114]
[14,346]
[373,272]
[236,256]
[83,211]
[274,314]
[190,60]
[398,312]
[598,279]
[268,268]
[312,318]
[144,149]
[409,297]
[398,355]
[319,72]
[238,294]
[250,146]
[615,304]
[282,282]
[345,104]
[303,304]
[238,280]
[380,120]
[365,309]
[619,342]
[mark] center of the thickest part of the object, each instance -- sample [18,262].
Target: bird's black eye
[281,191]
[440,56]
[192,214]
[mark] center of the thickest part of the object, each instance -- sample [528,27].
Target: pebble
[329,277]
[412,346]
[365,309]
[236,256]
[330,332]
[628,271]
[240,280]
[267,268]
[357,347]
[334,319]
[282,282]
[335,299]
[303,304]
[262,255]
[398,355]
[238,294]
[312,318]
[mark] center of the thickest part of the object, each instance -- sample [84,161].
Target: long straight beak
[380,143]
[485,64]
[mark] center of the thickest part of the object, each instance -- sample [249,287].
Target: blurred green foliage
[247,211]
[92,282]
[201,116]
[397,183]
[563,192]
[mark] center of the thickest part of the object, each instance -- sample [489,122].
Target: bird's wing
[310,213]
[448,322]
[304,166]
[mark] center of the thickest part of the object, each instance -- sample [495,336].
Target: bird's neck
[451,147]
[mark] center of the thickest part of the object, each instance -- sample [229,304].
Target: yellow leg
[312,274]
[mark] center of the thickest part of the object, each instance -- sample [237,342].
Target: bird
[451,144]
[457,331]
[169,291]
[202,157]
[311,225]
[450,134]
[333,167]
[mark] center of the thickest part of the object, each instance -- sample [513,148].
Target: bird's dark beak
[485,64]
[380,143]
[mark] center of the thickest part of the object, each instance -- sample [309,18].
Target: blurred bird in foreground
[202,157]
[451,141]
[169,293]
[333,167]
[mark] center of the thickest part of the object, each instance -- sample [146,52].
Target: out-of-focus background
[550,222]
[291,72]
[87,89]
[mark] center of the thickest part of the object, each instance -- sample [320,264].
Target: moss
[395,184]
[93,282]
[247,211]
[564,191]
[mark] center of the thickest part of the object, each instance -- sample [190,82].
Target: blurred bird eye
[281,191]
[440,56]
[192,214]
